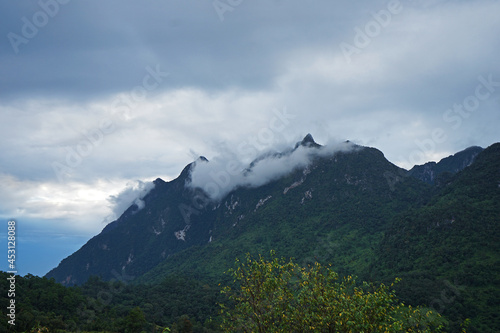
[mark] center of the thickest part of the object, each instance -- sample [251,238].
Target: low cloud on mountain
[132,194]
[224,173]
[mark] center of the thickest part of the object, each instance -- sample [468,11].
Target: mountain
[337,189]
[432,171]
[140,239]
[347,206]
[330,210]
[447,251]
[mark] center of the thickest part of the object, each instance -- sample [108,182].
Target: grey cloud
[92,48]
[225,172]
[131,195]
[226,77]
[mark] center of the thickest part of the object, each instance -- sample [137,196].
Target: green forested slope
[336,215]
[448,251]
[354,210]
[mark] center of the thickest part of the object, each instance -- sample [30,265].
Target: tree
[135,320]
[280,296]
[183,325]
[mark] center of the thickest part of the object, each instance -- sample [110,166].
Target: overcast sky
[97,96]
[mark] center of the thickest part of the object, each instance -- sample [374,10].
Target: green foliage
[39,329]
[443,241]
[135,321]
[366,217]
[41,303]
[448,251]
[280,296]
[179,303]
[183,325]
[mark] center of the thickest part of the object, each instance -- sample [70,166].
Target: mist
[225,172]
[133,194]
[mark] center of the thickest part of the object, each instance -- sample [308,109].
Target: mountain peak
[202,158]
[307,141]
[158,181]
[308,138]
[430,171]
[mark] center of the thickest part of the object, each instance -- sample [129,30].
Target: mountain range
[435,226]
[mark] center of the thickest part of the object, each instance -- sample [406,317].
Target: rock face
[337,188]
[351,209]
[140,239]
[430,172]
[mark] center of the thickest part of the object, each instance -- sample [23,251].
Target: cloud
[226,77]
[224,81]
[133,194]
[225,173]
[67,208]
[84,50]
[54,207]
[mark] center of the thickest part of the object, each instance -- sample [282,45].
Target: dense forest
[354,211]
[272,295]
[184,305]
